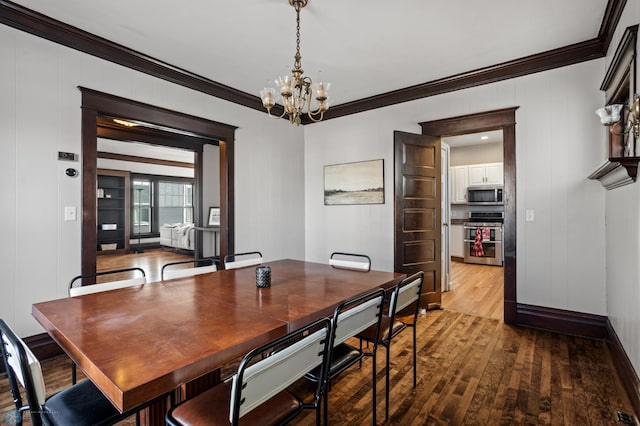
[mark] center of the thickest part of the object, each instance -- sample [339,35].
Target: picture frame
[359,182]
[214,216]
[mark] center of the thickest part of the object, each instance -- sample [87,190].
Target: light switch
[70,213]
[529,215]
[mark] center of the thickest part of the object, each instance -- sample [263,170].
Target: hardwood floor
[472,369]
[150,261]
[476,290]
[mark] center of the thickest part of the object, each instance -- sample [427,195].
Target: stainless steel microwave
[485,195]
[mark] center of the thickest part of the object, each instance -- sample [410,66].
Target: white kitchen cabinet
[458,181]
[456,240]
[486,174]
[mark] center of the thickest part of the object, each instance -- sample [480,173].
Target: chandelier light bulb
[296,89]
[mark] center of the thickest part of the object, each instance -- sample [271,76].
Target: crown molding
[40,25]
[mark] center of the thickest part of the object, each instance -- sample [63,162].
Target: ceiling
[363,47]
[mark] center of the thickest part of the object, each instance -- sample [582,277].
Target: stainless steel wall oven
[483,239]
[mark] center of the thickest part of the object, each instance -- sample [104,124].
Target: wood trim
[627,374]
[40,25]
[579,52]
[504,119]
[146,160]
[562,321]
[27,20]
[625,51]
[612,14]
[96,103]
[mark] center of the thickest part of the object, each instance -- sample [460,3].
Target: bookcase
[112,211]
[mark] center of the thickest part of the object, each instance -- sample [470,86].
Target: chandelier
[295,90]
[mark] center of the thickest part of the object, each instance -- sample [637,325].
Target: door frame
[505,120]
[95,104]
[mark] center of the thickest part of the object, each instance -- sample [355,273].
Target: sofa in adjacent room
[177,236]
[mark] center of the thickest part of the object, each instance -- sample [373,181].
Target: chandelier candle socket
[296,90]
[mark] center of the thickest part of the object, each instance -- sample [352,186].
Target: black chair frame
[386,342]
[39,413]
[98,274]
[206,261]
[259,353]
[363,256]
[330,372]
[232,257]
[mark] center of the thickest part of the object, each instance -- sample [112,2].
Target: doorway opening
[161,127]
[475,281]
[504,121]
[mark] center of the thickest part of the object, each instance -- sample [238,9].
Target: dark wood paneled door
[418,211]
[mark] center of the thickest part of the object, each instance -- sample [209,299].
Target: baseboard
[624,368]
[561,321]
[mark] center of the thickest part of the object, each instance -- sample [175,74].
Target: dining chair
[111,285]
[403,295]
[100,287]
[79,405]
[360,262]
[257,393]
[250,258]
[350,318]
[168,271]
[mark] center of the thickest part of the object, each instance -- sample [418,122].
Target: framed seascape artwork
[214,216]
[354,183]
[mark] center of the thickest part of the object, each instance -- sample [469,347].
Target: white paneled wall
[558,144]
[40,115]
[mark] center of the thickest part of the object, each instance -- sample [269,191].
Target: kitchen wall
[559,142]
[476,154]
[40,115]
[623,239]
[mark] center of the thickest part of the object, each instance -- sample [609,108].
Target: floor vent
[625,418]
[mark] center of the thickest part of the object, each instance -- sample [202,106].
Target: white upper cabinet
[458,182]
[486,174]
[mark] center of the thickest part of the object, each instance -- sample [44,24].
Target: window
[158,200]
[175,202]
[142,191]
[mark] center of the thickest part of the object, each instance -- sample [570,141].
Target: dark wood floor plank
[472,370]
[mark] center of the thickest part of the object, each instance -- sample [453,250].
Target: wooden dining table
[140,343]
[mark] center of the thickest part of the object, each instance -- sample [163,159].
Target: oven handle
[476,227]
[484,242]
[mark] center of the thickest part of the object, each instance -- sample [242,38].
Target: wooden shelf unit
[112,208]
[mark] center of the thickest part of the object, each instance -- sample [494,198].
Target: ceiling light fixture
[484,138]
[295,90]
[124,122]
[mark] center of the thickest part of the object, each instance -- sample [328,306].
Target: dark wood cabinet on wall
[619,86]
[112,211]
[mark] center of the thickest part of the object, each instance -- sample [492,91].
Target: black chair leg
[415,370]
[373,391]
[73,373]
[386,389]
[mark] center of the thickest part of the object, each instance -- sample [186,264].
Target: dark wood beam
[147,160]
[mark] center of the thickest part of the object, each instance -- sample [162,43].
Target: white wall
[559,142]
[623,240]
[40,115]
[476,154]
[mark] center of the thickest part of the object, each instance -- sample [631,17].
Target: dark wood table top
[141,342]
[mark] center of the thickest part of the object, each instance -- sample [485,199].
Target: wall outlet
[529,215]
[70,213]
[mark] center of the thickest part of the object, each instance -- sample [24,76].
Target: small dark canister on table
[263,276]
